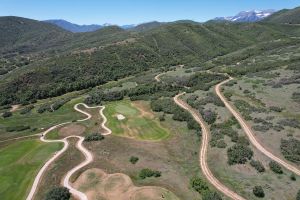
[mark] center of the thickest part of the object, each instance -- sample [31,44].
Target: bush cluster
[202,188]
[291,149]
[258,191]
[239,154]
[257,165]
[144,173]
[93,137]
[26,110]
[133,159]
[58,193]
[275,167]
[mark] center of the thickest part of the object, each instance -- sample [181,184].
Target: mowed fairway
[19,164]
[139,123]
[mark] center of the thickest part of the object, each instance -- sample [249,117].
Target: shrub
[93,137]
[26,109]
[17,128]
[289,122]
[199,185]
[293,177]
[6,114]
[291,149]
[133,159]
[239,154]
[209,116]
[257,165]
[44,108]
[144,173]
[276,109]
[221,144]
[258,191]
[58,193]
[209,195]
[275,167]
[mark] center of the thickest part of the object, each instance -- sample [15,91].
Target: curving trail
[79,146]
[203,151]
[249,131]
[203,148]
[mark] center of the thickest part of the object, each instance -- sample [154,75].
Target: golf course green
[136,123]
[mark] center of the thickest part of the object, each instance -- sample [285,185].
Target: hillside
[285,16]
[22,35]
[112,53]
[75,28]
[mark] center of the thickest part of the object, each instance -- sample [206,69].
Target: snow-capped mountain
[248,16]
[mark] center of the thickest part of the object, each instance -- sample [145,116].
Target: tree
[293,177]
[258,191]
[199,185]
[58,193]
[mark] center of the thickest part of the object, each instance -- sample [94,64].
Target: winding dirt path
[203,148]
[203,151]
[79,146]
[249,131]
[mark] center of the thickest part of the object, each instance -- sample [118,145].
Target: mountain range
[244,16]
[247,16]
[75,28]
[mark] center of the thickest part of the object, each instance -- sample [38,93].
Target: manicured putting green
[135,124]
[19,164]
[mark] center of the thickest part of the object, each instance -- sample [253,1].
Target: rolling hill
[74,61]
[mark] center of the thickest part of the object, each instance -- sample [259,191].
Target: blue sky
[134,11]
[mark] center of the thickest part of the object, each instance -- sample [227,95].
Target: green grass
[19,164]
[38,121]
[134,125]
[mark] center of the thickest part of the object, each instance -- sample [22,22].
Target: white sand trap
[120,117]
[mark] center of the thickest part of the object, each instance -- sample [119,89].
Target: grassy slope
[19,163]
[134,125]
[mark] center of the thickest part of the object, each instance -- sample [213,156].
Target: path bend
[203,151]
[79,146]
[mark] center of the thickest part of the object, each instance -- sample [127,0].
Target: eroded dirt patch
[72,129]
[97,184]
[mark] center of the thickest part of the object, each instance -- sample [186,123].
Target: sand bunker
[120,117]
[96,184]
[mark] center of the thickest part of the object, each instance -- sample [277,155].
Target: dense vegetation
[58,193]
[291,149]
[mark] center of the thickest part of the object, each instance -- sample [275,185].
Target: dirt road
[203,151]
[79,146]
[250,133]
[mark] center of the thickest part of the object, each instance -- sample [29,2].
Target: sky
[122,12]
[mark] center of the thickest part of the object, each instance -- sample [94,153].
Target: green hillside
[83,60]
[285,16]
[25,35]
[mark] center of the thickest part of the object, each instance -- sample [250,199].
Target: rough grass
[135,124]
[19,164]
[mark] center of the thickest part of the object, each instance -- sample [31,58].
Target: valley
[160,111]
